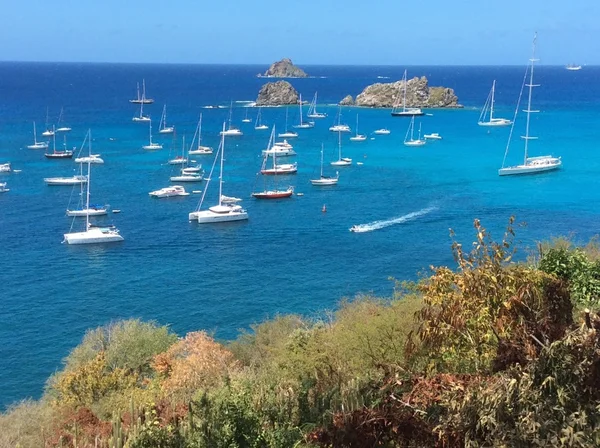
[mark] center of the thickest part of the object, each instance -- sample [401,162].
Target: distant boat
[3,188]
[312,110]
[339,127]
[72,180]
[227,209]
[200,150]
[167,192]
[277,169]
[258,124]
[411,131]
[573,67]
[92,234]
[433,136]
[60,119]
[280,149]
[151,145]
[382,131]
[231,131]
[358,137]
[48,132]
[64,154]
[92,158]
[274,192]
[141,116]
[36,144]
[325,180]
[341,161]
[246,119]
[186,174]
[303,124]
[141,99]
[5,168]
[406,111]
[287,133]
[162,126]
[530,165]
[489,107]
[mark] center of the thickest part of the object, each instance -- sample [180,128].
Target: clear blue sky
[394,32]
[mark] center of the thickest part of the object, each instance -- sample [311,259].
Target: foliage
[26,425]
[490,313]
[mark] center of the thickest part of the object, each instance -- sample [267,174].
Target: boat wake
[376,225]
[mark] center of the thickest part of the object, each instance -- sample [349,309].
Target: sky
[359,32]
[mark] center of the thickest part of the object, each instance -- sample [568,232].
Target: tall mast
[143,90]
[53,140]
[150,130]
[404,99]
[321,160]
[221,169]
[300,106]
[412,129]
[492,105]
[340,144]
[200,130]
[357,124]
[529,111]
[230,112]
[87,195]
[34,134]
[137,85]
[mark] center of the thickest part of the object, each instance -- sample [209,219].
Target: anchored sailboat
[303,124]
[530,165]
[358,137]
[141,99]
[287,133]
[200,150]
[162,126]
[341,161]
[151,145]
[231,131]
[325,180]
[406,111]
[312,110]
[36,144]
[258,124]
[339,127]
[275,192]
[489,107]
[411,131]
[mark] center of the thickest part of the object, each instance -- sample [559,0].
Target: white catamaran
[489,107]
[530,165]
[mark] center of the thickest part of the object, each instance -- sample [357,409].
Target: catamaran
[162,126]
[227,209]
[287,134]
[141,99]
[258,124]
[312,110]
[489,106]
[231,131]
[411,131]
[530,165]
[406,111]
[341,161]
[151,145]
[339,127]
[303,124]
[325,180]
[358,137]
[36,144]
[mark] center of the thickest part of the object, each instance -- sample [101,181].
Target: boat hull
[495,123]
[529,169]
[93,236]
[273,194]
[38,146]
[59,155]
[324,182]
[88,212]
[186,179]
[415,143]
[209,217]
[358,138]
[408,113]
[64,180]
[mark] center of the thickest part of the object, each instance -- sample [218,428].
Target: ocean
[289,257]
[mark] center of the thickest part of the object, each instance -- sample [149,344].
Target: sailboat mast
[87,194]
[200,130]
[492,105]
[412,129]
[143,90]
[357,125]
[150,130]
[340,144]
[321,160]
[300,107]
[221,169]
[529,111]
[34,134]
[230,112]
[53,140]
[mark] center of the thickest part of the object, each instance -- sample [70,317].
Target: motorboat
[167,192]
[433,136]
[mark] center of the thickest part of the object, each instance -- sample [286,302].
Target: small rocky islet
[378,95]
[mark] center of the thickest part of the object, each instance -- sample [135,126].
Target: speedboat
[94,158]
[179,160]
[5,168]
[285,168]
[382,131]
[167,192]
[3,188]
[433,136]
[92,210]
[340,128]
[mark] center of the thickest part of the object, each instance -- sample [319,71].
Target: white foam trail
[376,225]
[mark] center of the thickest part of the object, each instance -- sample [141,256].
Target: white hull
[208,216]
[232,133]
[140,119]
[358,138]
[178,161]
[75,180]
[319,115]
[92,159]
[339,128]
[279,152]
[304,126]
[42,145]
[382,132]
[190,178]
[152,146]
[88,212]
[496,122]
[175,190]
[94,235]
[167,130]
[48,133]
[3,188]
[202,150]
[5,168]
[262,127]
[433,136]
[324,181]
[414,143]
[64,129]
[408,113]
[288,135]
[342,162]
[534,165]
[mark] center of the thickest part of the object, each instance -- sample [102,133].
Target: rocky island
[418,94]
[277,94]
[284,69]
[347,101]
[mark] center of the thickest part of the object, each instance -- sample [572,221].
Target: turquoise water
[290,256]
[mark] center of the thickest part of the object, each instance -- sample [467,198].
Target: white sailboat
[48,132]
[141,116]
[277,169]
[287,133]
[141,99]
[303,124]
[92,234]
[227,209]
[489,107]
[339,127]
[325,180]
[312,110]
[530,165]
[231,131]
[358,137]
[162,126]
[406,111]
[151,145]
[246,119]
[200,150]
[72,180]
[258,124]
[187,174]
[411,131]
[64,154]
[573,67]
[341,161]
[60,119]
[36,144]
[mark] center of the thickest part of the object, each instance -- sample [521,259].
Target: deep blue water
[289,257]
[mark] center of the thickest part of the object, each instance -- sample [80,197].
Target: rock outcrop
[418,94]
[284,69]
[347,101]
[277,94]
